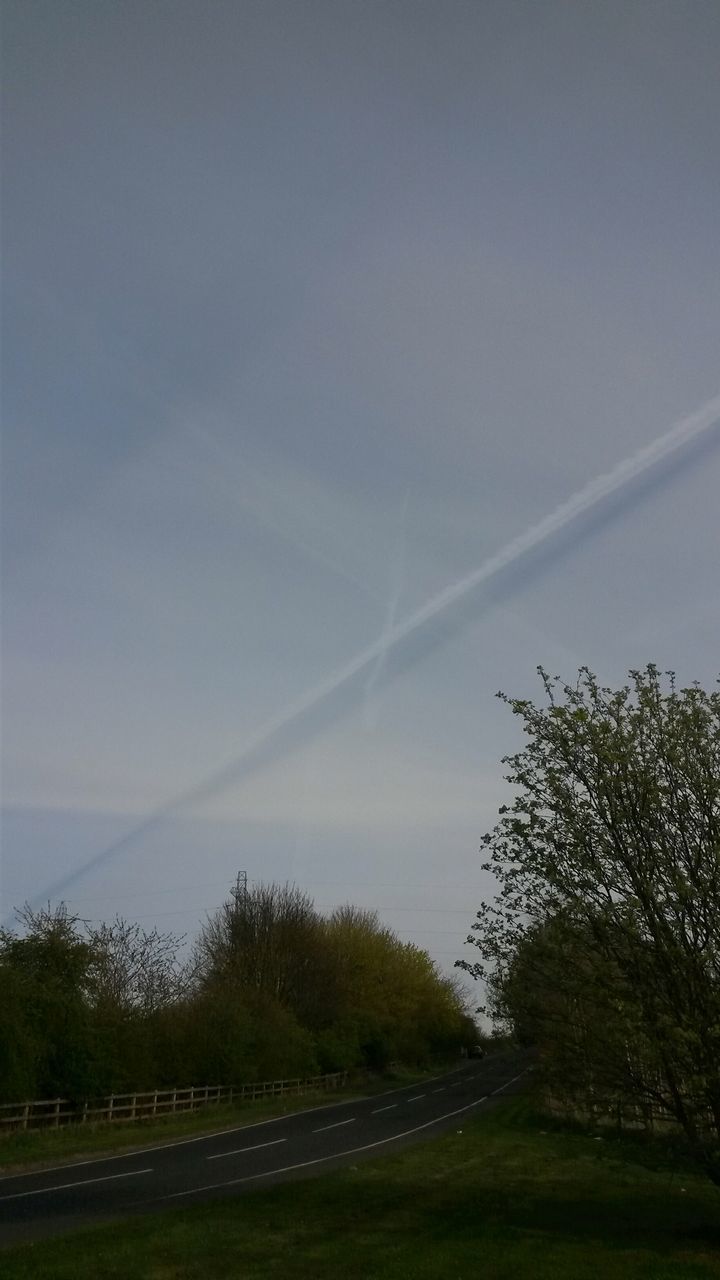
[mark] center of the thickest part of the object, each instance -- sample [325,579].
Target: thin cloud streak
[293,726]
[397,576]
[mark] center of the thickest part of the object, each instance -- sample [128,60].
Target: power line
[183,911]
[221,884]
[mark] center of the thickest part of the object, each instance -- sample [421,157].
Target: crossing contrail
[397,575]
[294,725]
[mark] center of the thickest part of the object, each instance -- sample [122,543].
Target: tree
[44,975]
[134,982]
[562,995]
[387,996]
[265,941]
[133,971]
[609,854]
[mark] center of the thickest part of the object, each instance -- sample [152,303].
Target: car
[476,1051]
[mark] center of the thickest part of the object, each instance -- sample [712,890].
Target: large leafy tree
[608,863]
[44,976]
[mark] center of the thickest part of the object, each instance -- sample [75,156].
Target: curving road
[190,1170]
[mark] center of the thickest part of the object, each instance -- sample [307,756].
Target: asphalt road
[190,1170]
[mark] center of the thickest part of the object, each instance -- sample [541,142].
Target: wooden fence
[153,1102]
[625,1117]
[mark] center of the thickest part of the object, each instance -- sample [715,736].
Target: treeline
[603,946]
[271,989]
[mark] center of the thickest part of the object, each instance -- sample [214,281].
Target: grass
[34,1148]
[506,1196]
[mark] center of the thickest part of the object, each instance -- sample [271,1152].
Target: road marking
[239,1150]
[337,1155]
[440,1090]
[181,1142]
[45,1191]
[337,1125]
[377,1110]
[507,1082]
[417,1097]
[206,1137]
[430,1080]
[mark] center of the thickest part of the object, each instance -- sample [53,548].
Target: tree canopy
[603,942]
[271,988]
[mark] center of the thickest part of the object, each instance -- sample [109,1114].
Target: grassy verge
[33,1149]
[502,1198]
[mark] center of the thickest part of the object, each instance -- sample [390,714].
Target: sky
[309,311]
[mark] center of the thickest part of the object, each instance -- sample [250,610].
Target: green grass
[35,1148]
[504,1197]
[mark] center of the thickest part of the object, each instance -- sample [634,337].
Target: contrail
[397,575]
[293,725]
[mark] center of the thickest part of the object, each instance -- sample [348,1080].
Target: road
[190,1170]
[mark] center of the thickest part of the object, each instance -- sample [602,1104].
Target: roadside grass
[504,1196]
[32,1149]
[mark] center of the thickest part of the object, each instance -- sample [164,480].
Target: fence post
[111,1101]
[56,1114]
[133,1111]
[26,1113]
[174,1101]
[84,1112]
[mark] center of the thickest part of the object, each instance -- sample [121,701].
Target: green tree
[614,834]
[134,982]
[387,995]
[267,940]
[260,971]
[561,994]
[45,974]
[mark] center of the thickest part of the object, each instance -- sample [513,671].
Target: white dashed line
[46,1191]
[377,1110]
[337,1155]
[440,1090]
[240,1150]
[337,1125]
[417,1097]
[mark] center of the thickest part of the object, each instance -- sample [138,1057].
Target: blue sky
[308,311]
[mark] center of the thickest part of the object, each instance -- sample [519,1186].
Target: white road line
[337,1125]
[377,1110]
[507,1082]
[430,1080]
[417,1097]
[239,1150]
[206,1137]
[440,1090]
[337,1155]
[181,1142]
[45,1191]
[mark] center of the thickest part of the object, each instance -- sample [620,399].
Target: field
[506,1196]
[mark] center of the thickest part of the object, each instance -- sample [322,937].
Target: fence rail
[625,1117]
[143,1105]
